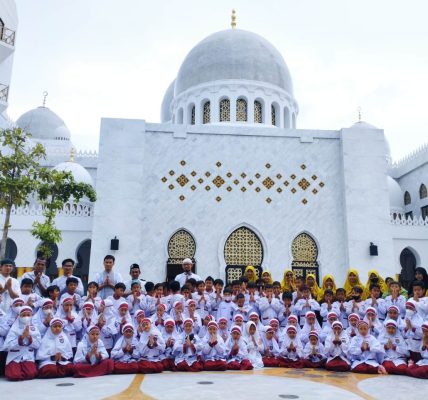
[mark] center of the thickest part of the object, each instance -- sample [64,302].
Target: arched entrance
[181,245]
[11,249]
[242,248]
[305,255]
[408,265]
[51,265]
[83,256]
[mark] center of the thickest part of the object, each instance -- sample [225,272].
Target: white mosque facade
[228,179]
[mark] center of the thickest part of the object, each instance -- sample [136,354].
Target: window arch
[83,257]
[422,191]
[273,114]
[206,118]
[243,247]
[191,116]
[181,245]
[305,255]
[225,110]
[241,110]
[407,198]
[11,249]
[258,112]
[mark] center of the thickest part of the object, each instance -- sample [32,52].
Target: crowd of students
[52,329]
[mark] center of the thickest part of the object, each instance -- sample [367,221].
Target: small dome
[233,54]
[363,125]
[395,196]
[43,124]
[166,114]
[80,174]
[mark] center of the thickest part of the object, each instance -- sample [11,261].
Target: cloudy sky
[115,58]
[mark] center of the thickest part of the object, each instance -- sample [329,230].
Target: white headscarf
[52,344]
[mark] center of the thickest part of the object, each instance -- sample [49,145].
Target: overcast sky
[115,58]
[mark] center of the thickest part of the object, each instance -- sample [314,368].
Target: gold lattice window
[273,112]
[241,110]
[407,198]
[181,246]
[304,251]
[422,191]
[207,113]
[193,115]
[225,110]
[258,116]
[243,247]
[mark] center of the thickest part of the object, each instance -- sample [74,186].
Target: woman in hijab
[251,274]
[288,283]
[353,279]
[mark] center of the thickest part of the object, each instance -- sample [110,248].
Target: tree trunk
[5,232]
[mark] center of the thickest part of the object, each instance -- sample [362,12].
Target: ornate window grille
[225,110]
[207,113]
[258,113]
[305,253]
[241,110]
[192,117]
[273,111]
[407,198]
[242,248]
[423,191]
[181,246]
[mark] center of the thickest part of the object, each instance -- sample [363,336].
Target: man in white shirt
[108,278]
[187,274]
[134,272]
[37,275]
[61,281]
[9,287]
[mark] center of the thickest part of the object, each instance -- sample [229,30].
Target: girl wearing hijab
[374,277]
[336,348]
[187,349]
[214,349]
[395,347]
[223,329]
[420,368]
[267,278]
[170,336]
[44,316]
[270,351]
[236,351]
[125,353]
[313,352]
[353,279]
[254,344]
[21,342]
[375,326]
[327,283]
[291,351]
[107,324]
[88,315]
[151,346]
[288,283]
[311,324]
[72,322]
[311,282]
[251,274]
[55,354]
[91,357]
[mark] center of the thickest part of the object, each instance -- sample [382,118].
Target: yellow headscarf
[270,280]
[348,287]
[251,268]
[284,284]
[382,283]
[324,286]
[315,290]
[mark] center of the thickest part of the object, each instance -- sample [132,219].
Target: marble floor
[266,384]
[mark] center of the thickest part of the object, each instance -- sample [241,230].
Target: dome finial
[359,114]
[233,23]
[45,94]
[71,154]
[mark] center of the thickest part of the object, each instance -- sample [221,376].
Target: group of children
[202,325]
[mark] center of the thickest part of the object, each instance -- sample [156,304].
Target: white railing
[70,209]
[395,220]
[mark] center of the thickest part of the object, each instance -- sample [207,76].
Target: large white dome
[80,174]
[233,54]
[43,124]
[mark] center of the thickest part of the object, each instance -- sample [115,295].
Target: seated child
[336,347]
[236,351]
[395,348]
[313,352]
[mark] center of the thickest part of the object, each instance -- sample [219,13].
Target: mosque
[228,179]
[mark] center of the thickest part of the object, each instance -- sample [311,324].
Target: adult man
[9,287]
[37,275]
[108,278]
[187,274]
[134,272]
[61,281]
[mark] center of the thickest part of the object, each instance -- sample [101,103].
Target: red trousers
[168,364]
[21,371]
[365,369]
[126,367]
[215,365]
[150,367]
[270,362]
[337,365]
[83,370]
[56,371]
[393,369]
[195,367]
[244,365]
[287,363]
[312,364]
[418,372]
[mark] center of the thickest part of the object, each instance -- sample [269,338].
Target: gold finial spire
[233,23]
[71,154]
[45,94]
[359,114]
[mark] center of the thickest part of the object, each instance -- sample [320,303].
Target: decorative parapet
[395,220]
[411,160]
[70,209]
[87,154]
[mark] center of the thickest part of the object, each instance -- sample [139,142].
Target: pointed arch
[241,110]
[225,110]
[258,112]
[407,198]
[206,117]
[181,245]
[304,251]
[422,191]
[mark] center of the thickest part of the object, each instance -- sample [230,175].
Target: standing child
[92,296]
[225,307]
[305,304]
[286,309]
[268,305]
[27,294]
[340,304]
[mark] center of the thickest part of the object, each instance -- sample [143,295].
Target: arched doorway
[11,249]
[305,255]
[181,245]
[408,265]
[83,256]
[51,265]
[242,248]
